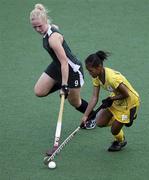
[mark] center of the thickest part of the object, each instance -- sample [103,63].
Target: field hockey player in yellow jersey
[120,108]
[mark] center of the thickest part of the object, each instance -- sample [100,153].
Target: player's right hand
[64,90]
[83,122]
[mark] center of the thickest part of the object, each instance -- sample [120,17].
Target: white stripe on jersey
[75,68]
[49,32]
[81,78]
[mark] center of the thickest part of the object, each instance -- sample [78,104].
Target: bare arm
[92,103]
[123,92]
[55,42]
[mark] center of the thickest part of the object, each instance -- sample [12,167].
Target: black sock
[82,109]
[83,106]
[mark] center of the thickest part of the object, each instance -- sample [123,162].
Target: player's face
[40,26]
[94,72]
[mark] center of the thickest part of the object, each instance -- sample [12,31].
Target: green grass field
[27,123]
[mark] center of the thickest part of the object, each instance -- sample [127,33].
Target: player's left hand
[107,102]
[64,90]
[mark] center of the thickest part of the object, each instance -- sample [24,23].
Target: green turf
[27,123]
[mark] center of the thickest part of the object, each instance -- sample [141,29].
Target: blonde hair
[40,12]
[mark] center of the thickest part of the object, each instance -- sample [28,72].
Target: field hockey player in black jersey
[65,72]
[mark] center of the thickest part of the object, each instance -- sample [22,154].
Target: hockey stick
[57,151]
[58,127]
[47,159]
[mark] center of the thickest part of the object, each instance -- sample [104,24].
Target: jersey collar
[49,31]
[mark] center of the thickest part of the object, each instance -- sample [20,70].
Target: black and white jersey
[76,78]
[72,60]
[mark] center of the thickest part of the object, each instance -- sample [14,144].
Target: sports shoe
[91,124]
[117,146]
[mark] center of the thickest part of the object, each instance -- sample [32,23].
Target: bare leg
[43,85]
[103,117]
[116,127]
[74,97]
[80,105]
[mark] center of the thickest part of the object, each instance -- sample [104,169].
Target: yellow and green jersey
[120,108]
[112,80]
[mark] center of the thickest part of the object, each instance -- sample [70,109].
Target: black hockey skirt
[75,79]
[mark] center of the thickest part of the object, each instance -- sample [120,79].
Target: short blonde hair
[40,12]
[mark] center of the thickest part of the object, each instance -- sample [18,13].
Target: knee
[38,91]
[99,124]
[74,102]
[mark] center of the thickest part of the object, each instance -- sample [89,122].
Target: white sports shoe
[91,124]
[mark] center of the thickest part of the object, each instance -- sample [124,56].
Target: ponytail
[96,59]
[102,55]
